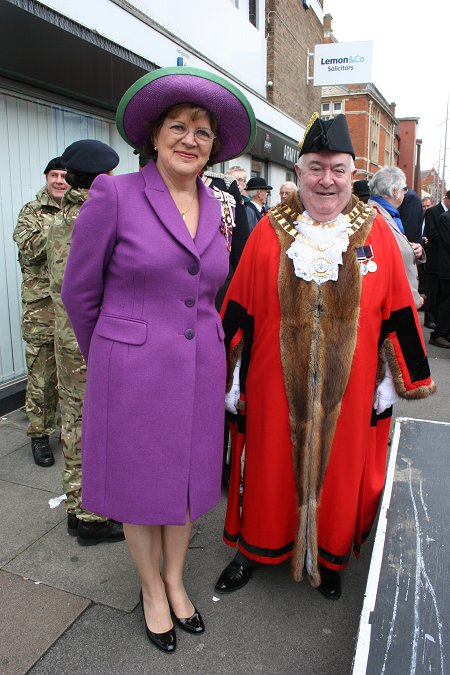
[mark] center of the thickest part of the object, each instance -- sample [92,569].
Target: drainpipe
[368,138]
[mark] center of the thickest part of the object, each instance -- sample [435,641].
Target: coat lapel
[164,207]
[210,215]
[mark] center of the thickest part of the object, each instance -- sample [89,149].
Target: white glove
[385,395]
[232,396]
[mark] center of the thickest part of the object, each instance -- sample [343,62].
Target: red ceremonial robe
[314,457]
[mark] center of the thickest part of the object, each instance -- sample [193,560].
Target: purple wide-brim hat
[153,93]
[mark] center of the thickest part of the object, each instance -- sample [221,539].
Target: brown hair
[196,111]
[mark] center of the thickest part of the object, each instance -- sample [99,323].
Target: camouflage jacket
[58,246]
[30,235]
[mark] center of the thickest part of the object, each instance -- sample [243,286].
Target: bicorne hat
[89,156]
[163,88]
[330,135]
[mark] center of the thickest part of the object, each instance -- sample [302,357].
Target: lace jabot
[317,249]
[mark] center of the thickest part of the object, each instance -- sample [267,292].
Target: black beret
[54,164]
[257,183]
[89,156]
[330,135]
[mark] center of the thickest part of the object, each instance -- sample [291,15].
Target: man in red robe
[322,337]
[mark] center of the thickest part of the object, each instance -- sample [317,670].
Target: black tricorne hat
[330,135]
[54,164]
[89,156]
[257,183]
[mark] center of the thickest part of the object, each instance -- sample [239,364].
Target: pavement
[67,609]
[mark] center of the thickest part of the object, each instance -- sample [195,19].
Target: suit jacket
[408,255]
[140,293]
[411,214]
[432,216]
[253,214]
[443,230]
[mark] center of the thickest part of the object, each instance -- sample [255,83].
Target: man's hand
[232,397]
[417,248]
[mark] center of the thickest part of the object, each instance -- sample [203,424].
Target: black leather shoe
[72,524]
[439,341]
[194,624]
[234,576]
[330,585]
[42,452]
[166,642]
[430,324]
[96,533]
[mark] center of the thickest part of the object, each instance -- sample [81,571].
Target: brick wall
[407,132]
[291,31]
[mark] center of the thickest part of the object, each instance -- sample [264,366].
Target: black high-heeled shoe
[194,624]
[166,642]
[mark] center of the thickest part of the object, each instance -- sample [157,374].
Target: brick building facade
[431,184]
[407,131]
[292,31]
[371,121]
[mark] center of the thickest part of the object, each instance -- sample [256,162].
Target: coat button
[189,302]
[193,269]
[189,334]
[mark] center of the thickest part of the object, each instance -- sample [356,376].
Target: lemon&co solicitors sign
[342,63]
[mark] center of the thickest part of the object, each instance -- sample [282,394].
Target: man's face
[261,197]
[426,203]
[56,184]
[447,202]
[325,183]
[285,191]
[241,178]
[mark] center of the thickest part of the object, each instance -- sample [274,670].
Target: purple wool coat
[139,292]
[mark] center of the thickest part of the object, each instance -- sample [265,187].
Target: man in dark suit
[441,335]
[431,239]
[411,214]
[241,230]
[258,191]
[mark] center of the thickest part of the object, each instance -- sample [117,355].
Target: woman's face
[398,194]
[184,154]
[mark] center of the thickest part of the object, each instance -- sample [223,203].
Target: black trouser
[443,309]
[431,282]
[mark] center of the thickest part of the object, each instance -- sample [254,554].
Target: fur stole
[318,333]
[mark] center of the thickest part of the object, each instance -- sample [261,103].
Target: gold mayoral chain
[319,260]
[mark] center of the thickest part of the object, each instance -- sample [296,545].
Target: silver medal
[372,266]
[363,268]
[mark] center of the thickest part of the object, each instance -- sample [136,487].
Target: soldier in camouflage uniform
[38,318]
[92,156]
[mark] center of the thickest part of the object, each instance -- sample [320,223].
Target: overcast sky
[411,58]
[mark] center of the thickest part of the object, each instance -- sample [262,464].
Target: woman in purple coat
[149,252]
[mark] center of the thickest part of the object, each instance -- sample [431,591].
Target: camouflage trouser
[42,396]
[71,386]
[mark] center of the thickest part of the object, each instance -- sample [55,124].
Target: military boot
[109,531]
[42,452]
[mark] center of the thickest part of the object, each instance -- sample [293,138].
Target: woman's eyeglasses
[200,134]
